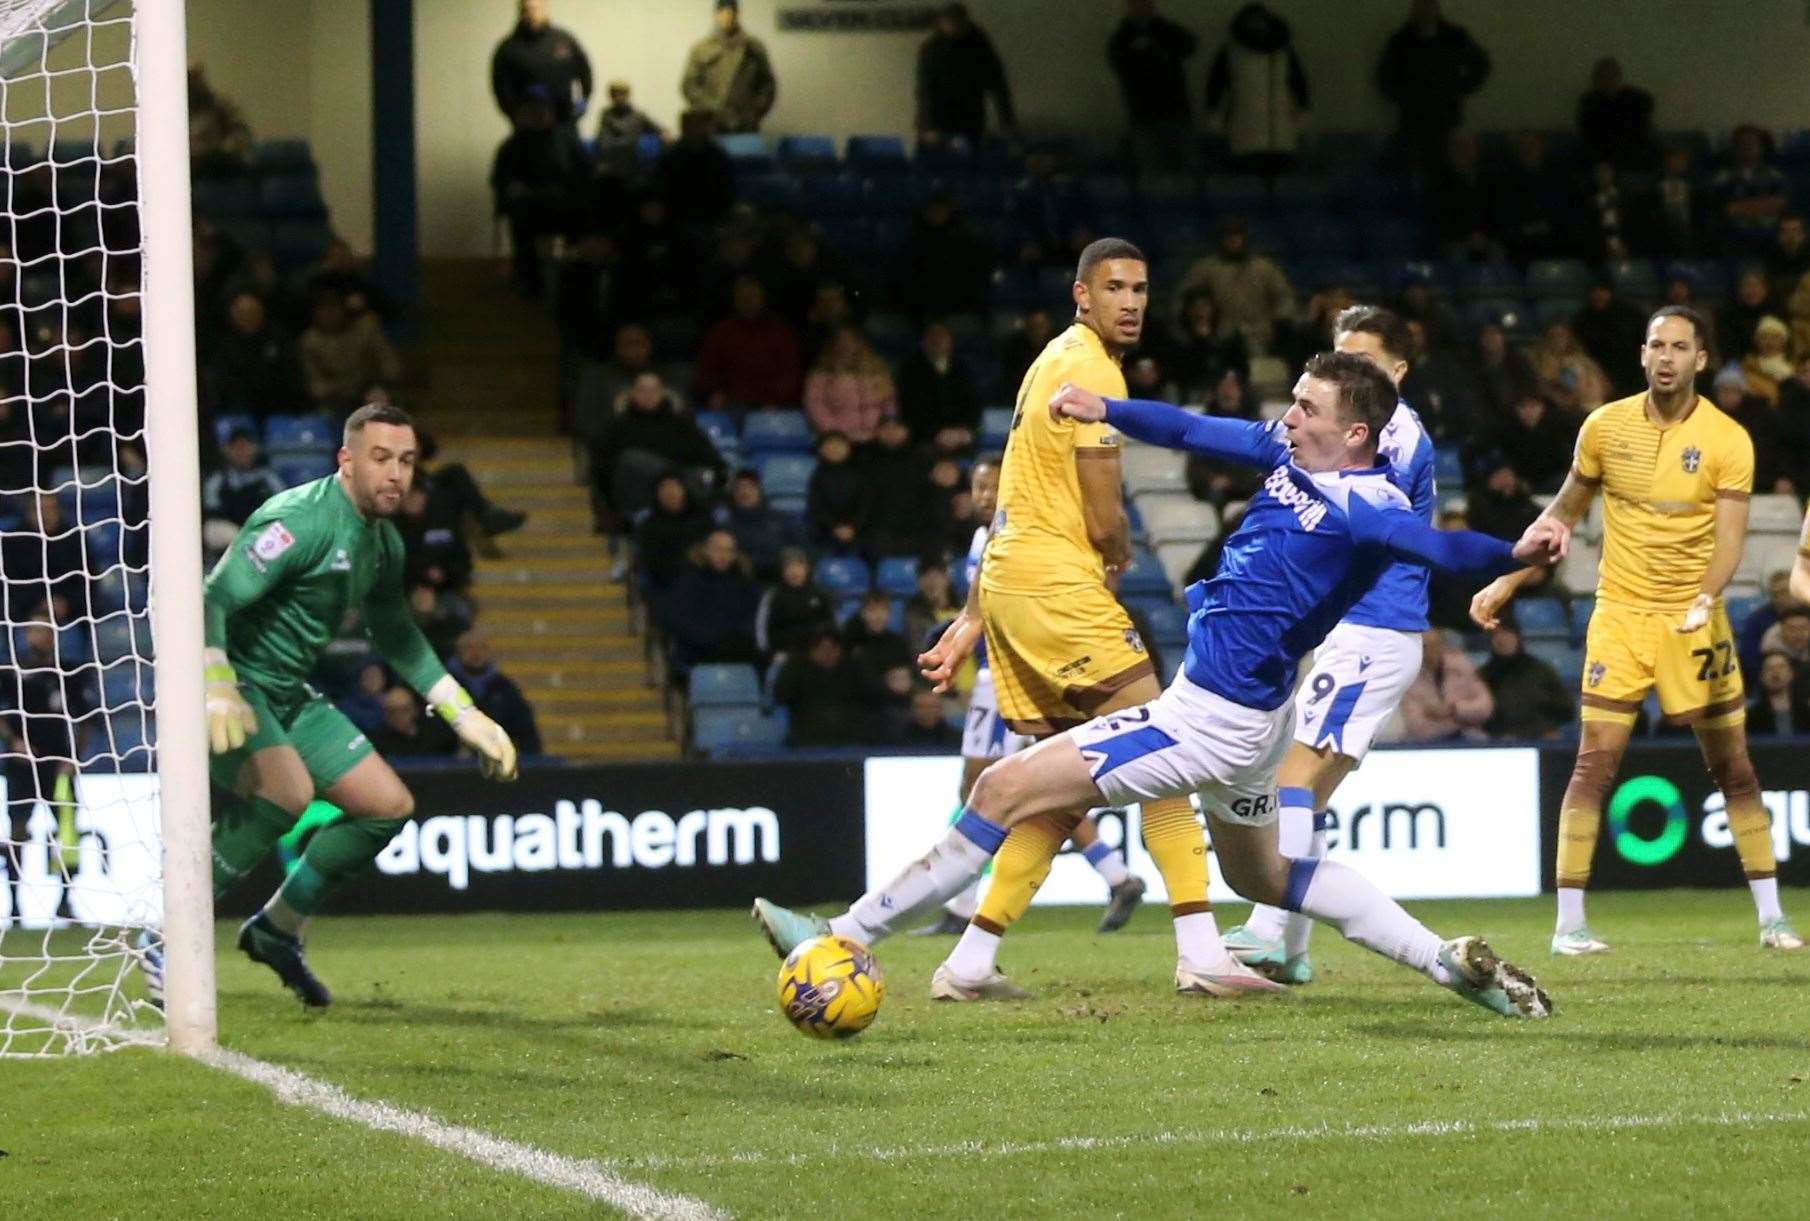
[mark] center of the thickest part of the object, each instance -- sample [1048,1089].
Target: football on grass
[831,987]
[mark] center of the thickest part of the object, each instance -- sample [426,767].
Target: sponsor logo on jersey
[1595,676]
[270,543]
[1693,458]
[341,561]
[1309,510]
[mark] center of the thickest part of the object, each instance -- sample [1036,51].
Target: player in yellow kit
[1676,474]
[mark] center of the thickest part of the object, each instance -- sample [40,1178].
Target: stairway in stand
[556,624]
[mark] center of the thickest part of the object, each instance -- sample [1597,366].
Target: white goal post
[104,840]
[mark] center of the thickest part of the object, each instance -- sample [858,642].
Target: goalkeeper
[277,597]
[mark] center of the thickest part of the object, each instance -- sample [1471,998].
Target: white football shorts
[985,735]
[1358,678]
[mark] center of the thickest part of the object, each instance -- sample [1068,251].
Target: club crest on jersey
[1693,458]
[1595,676]
[272,542]
[1133,641]
[1310,510]
[341,561]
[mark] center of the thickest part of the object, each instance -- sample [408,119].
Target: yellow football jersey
[1039,541]
[1660,488]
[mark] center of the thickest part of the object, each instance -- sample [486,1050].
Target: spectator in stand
[363,705]
[666,534]
[219,140]
[340,357]
[1215,481]
[253,367]
[1531,699]
[45,707]
[603,385]
[824,692]
[934,603]
[1767,365]
[496,695]
[958,70]
[871,643]
[1449,598]
[1615,119]
[749,359]
[454,499]
[792,610]
[1679,290]
[1609,222]
[232,493]
[407,734]
[836,498]
[1529,202]
[937,398]
[899,519]
[442,615]
[1429,66]
[1443,391]
[1736,321]
[1537,441]
[1313,331]
[1612,331]
[534,181]
[1794,418]
[945,268]
[1750,632]
[708,612]
[1779,708]
[1258,89]
[729,74]
[1790,635]
[620,130]
[648,440]
[341,271]
[1569,379]
[1750,193]
[1148,54]
[1773,469]
[1024,343]
[850,390]
[1144,377]
[1204,351]
[43,567]
[828,312]
[1681,210]
[538,58]
[1446,702]
[1252,293]
[926,727]
[1788,261]
[694,178]
[762,532]
[1501,505]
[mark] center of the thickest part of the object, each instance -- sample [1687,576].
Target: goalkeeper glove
[485,738]
[230,720]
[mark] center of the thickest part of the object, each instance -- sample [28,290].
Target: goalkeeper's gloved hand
[230,720]
[485,738]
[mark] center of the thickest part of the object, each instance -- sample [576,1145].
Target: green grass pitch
[1672,1080]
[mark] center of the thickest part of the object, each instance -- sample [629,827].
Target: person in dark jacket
[823,691]
[666,533]
[539,54]
[1779,708]
[793,608]
[254,367]
[958,69]
[926,725]
[835,508]
[937,398]
[871,642]
[1429,66]
[694,177]
[1532,699]
[496,695]
[1148,54]
[234,492]
[708,610]
[406,733]
[1612,331]
[1258,89]
[534,181]
[1538,442]
[1616,119]
[899,517]
[761,531]
[648,439]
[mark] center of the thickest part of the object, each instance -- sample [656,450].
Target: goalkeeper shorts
[329,744]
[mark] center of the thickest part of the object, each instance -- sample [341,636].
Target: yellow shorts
[1057,657]
[1629,651]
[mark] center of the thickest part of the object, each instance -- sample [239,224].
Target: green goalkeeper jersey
[281,592]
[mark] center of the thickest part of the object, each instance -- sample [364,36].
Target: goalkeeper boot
[1125,899]
[1249,947]
[1482,978]
[1234,981]
[945,986]
[786,928]
[947,924]
[148,950]
[264,942]
[1779,935]
[1577,942]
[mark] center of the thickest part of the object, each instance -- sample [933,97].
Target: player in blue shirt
[1362,669]
[1325,526]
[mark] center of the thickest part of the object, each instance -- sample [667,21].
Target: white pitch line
[1217,1136]
[588,1178]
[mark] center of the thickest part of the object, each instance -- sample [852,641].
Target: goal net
[82,907]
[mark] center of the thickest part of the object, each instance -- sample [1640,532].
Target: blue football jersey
[976,549]
[1398,600]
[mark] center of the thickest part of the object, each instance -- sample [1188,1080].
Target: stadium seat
[1176,559]
[1548,310]
[1578,571]
[719,686]
[226,425]
[299,434]
[1543,619]
[1635,278]
[995,427]
[1148,468]
[748,150]
[127,682]
[93,503]
[1567,659]
[1172,518]
[719,426]
[807,152]
[1707,277]
[785,475]
[1774,513]
[1166,620]
[772,192]
[771,432]
[883,153]
[121,636]
[301,468]
[1144,576]
[217,198]
[896,576]
[1482,280]
[1766,554]
[732,732]
[1557,278]
[1740,609]
[1448,467]
[844,576]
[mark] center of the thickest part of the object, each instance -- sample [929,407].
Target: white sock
[1266,922]
[975,956]
[1294,839]
[1765,899]
[1344,898]
[1571,909]
[1197,944]
[1107,861]
[284,916]
[946,870]
[964,905]
[1297,929]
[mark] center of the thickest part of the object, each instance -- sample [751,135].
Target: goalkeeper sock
[944,871]
[335,854]
[1345,899]
[294,841]
[243,834]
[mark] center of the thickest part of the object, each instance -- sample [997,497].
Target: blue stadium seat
[747,150]
[121,636]
[1581,610]
[844,577]
[1144,577]
[897,576]
[93,503]
[1389,237]
[1400,273]
[126,683]
[786,475]
[1543,619]
[807,152]
[226,425]
[1557,278]
[1794,148]
[222,197]
[102,543]
[776,432]
[720,686]
[1548,310]
[301,468]
[719,426]
[286,434]
[1448,468]
[732,732]
[296,244]
[772,192]
[1741,609]
[1510,313]
[1480,280]
[870,153]
[995,427]
[1637,278]
[648,149]
[1707,277]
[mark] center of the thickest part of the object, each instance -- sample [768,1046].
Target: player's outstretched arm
[1460,552]
[1567,509]
[1250,442]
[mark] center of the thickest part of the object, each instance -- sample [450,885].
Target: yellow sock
[1748,819]
[1578,828]
[1179,848]
[1019,869]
